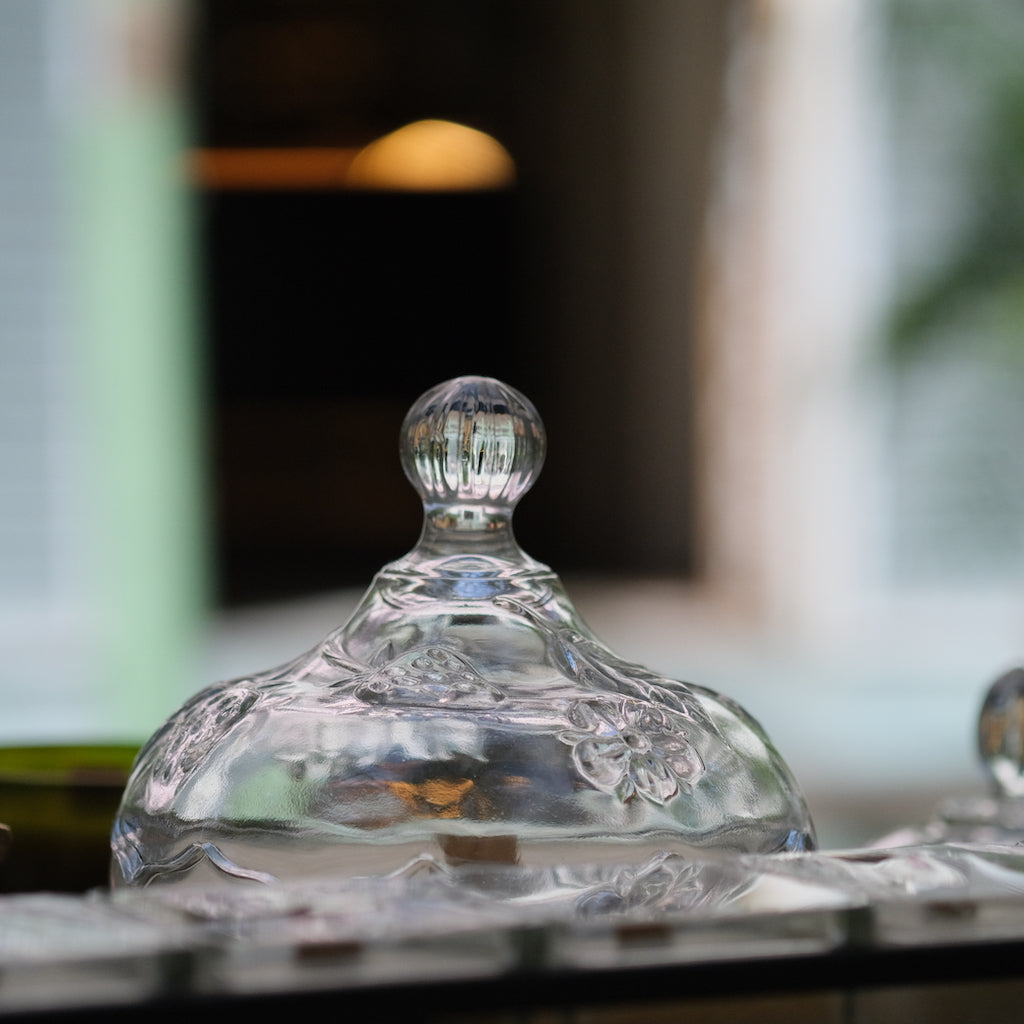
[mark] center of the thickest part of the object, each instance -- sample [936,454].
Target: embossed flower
[631,749]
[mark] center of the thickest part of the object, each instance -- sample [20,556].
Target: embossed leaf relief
[631,749]
[584,658]
[191,734]
[428,677]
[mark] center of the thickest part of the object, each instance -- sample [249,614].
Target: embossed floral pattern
[631,749]
[428,677]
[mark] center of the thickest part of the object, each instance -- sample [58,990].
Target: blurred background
[759,263]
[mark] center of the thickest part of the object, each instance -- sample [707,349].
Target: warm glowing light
[430,156]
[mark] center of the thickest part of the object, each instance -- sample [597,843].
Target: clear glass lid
[463,715]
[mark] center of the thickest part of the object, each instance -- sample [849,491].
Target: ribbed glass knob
[472,445]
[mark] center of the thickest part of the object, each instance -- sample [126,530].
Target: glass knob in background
[996,818]
[1001,734]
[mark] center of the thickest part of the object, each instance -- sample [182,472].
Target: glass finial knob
[472,445]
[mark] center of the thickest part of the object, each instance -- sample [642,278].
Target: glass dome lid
[463,715]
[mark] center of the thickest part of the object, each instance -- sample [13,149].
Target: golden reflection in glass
[433,156]
[435,798]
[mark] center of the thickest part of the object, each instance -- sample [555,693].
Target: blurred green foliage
[955,75]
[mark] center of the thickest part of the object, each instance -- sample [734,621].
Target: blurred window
[766,297]
[861,412]
[101,576]
[330,308]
